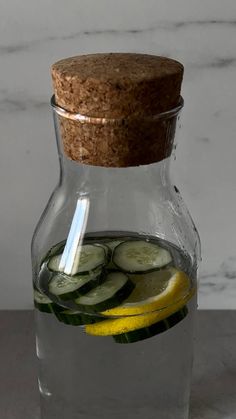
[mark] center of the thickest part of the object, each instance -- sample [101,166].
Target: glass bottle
[96,361]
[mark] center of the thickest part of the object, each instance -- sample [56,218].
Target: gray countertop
[214,375]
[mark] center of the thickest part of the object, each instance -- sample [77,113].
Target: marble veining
[218,63]
[160,26]
[203,37]
[219,285]
[11,104]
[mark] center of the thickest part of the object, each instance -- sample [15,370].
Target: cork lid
[117,84]
[122,86]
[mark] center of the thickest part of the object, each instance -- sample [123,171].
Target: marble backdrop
[34,34]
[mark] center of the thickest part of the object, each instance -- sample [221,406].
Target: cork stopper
[120,96]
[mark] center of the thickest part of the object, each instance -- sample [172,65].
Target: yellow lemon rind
[177,288]
[127,324]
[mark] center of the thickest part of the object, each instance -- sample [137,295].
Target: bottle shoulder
[156,210]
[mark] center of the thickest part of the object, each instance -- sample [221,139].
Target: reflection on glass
[71,254]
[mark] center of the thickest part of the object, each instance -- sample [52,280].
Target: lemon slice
[140,314]
[153,291]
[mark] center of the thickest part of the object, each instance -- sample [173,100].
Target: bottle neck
[87,178]
[117,198]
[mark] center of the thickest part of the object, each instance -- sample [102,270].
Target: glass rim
[85,119]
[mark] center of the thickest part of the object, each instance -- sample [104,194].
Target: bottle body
[84,366]
[83,379]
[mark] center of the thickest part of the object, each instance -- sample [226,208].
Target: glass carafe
[95,360]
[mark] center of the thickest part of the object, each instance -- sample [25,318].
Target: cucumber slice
[57,249]
[68,287]
[88,258]
[105,247]
[154,329]
[137,256]
[54,262]
[76,318]
[115,289]
[113,244]
[44,304]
